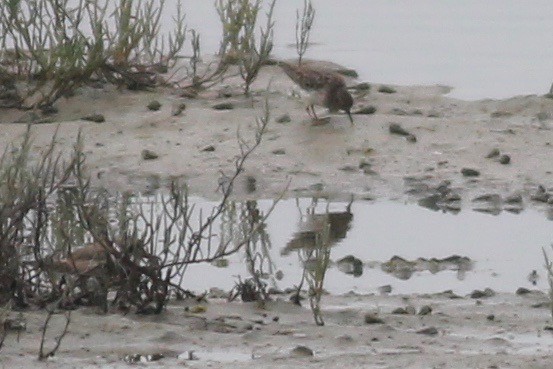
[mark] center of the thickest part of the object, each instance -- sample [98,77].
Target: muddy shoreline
[413,143]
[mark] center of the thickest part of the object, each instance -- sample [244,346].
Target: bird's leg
[314,114]
[307,109]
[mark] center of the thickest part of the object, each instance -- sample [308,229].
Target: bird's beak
[350,117]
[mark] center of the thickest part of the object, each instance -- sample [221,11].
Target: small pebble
[96,118]
[493,153]
[469,172]
[223,106]
[301,351]
[154,105]
[429,331]
[284,118]
[149,154]
[504,159]
[371,318]
[209,148]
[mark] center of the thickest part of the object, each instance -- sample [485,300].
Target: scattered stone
[284,118]
[209,148]
[279,152]
[397,129]
[487,198]
[178,109]
[433,114]
[350,265]
[386,89]
[348,168]
[493,153]
[522,291]
[429,331]
[371,318]
[490,317]
[425,310]
[383,290]
[223,106]
[514,199]
[154,105]
[411,138]
[301,351]
[96,118]
[365,110]
[478,294]
[149,154]
[469,172]
[504,159]
[400,311]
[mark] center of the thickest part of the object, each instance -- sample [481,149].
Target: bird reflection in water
[312,225]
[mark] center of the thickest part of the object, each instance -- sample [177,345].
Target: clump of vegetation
[56,46]
[304,24]
[240,45]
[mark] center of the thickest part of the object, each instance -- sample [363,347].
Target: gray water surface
[484,49]
[504,248]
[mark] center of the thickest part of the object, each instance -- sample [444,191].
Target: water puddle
[381,247]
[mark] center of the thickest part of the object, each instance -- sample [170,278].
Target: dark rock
[397,129]
[383,290]
[154,105]
[284,118]
[386,90]
[514,199]
[425,310]
[504,159]
[398,111]
[365,110]
[478,294]
[149,154]
[400,311]
[493,153]
[96,118]
[350,265]
[429,331]
[487,198]
[279,152]
[223,106]
[469,172]
[522,291]
[371,318]
[209,148]
[490,317]
[301,351]
[411,138]
[348,168]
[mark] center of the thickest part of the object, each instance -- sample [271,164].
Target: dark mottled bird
[325,87]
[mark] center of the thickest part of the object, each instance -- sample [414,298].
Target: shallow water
[504,248]
[491,49]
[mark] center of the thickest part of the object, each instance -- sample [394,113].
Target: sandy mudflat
[331,160]
[503,331]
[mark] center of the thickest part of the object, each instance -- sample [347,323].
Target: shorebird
[325,87]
